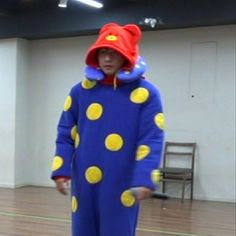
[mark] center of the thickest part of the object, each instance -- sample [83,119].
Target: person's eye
[102,52]
[114,54]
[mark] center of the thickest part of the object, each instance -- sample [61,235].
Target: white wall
[198,62]
[7,111]
[23,161]
[201,63]
[14,112]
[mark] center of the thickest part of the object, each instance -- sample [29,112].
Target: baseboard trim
[52,185]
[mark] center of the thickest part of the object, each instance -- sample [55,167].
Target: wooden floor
[36,211]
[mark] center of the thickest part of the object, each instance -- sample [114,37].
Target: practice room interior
[189,47]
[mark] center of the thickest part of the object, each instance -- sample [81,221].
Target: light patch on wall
[203,71]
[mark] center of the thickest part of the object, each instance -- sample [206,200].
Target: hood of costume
[123,39]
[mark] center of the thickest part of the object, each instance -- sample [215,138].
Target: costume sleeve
[150,141]
[67,137]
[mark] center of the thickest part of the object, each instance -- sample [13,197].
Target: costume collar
[126,76]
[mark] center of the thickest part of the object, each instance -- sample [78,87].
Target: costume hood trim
[126,76]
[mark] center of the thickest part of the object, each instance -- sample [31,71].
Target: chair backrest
[179,154]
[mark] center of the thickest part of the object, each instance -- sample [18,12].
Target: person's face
[110,61]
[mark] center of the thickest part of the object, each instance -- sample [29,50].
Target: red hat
[123,39]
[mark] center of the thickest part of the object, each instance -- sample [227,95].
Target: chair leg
[191,196]
[183,191]
[163,187]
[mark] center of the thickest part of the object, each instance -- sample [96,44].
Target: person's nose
[107,57]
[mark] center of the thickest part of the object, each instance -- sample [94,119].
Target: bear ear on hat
[135,32]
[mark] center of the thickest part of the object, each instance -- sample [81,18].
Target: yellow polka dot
[139,95]
[93,174]
[57,163]
[74,204]
[114,142]
[77,140]
[88,84]
[73,132]
[127,198]
[68,103]
[156,176]
[94,111]
[160,120]
[111,38]
[142,152]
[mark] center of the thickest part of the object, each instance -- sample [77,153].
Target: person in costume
[110,137]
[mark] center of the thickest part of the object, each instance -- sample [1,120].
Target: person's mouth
[107,67]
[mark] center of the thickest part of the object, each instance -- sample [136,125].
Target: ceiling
[35,19]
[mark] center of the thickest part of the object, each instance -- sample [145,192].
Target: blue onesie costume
[109,140]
